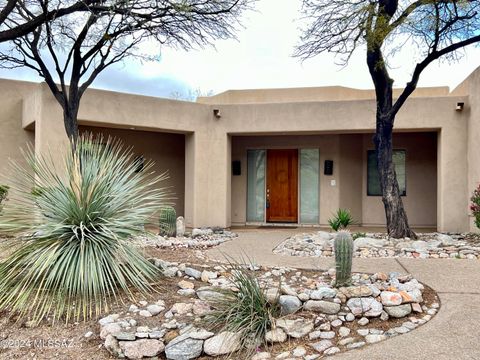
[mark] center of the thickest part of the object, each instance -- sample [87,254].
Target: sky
[261,57]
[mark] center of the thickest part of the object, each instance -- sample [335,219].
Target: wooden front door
[282,185]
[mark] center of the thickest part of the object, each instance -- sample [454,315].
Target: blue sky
[260,58]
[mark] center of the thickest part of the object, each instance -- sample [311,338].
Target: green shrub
[246,312]
[475,206]
[72,249]
[341,220]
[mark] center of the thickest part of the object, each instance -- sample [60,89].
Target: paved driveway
[454,333]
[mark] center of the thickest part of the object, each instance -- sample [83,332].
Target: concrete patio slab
[451,334]
[257,245]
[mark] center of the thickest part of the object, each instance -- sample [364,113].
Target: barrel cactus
[343,258]
[168,221]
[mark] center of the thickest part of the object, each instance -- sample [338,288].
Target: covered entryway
[282,185]
[166,150]
[285,179]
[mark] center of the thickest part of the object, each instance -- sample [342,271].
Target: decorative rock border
[325,319]
[371,245]
[198,238]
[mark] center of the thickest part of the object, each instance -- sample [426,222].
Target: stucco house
[276,155]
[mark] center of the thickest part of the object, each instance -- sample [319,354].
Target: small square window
[373,178]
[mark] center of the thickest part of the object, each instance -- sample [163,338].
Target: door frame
[298,223]
[294,152]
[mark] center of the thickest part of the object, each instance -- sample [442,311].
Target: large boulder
[325,307]
[112,346]
[390,298]
[323,292]
[276,335]
[445,240]
[141,348]
[297,328]
[184,347]
[289,304]
[209,294]
[366,306]
[226,342]
[367,242]
[398,311]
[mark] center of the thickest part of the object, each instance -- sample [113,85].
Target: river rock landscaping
[316,318]
[197,239]
[375,245]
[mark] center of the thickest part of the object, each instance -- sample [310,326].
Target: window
[256,185]
[373,179]
[309,180]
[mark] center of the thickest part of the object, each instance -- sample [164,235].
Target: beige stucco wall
[421,171]
[307,94]
[12,135]
[473,108]
[167,151]
[348,151]
[209,187]
[351,174]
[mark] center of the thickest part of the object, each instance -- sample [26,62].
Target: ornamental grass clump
[243,310]
[72,252]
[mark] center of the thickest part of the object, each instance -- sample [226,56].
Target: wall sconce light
[216,113]
[460,106]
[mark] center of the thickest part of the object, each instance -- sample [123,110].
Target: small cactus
[168,221]
[343,258]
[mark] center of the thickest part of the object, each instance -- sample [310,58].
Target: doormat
[277,227]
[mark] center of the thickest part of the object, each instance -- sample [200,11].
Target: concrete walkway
[452,334]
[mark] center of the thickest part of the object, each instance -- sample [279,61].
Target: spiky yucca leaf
[72,224]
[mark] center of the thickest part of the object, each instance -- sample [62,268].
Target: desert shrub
[72,248]
[341,220]
[246,312]
[475,206]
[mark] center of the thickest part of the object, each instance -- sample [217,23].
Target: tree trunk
[70,114]
[397,221]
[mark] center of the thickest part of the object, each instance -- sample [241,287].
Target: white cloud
[261,58]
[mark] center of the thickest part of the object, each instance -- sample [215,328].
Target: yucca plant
[72,246]
[341,220]
[245,310]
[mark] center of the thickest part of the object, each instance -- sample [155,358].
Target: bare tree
[76,48]
[13,25]
[438,28]
[190,95]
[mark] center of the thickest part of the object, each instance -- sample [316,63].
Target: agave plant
[341,220]
[72,252]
